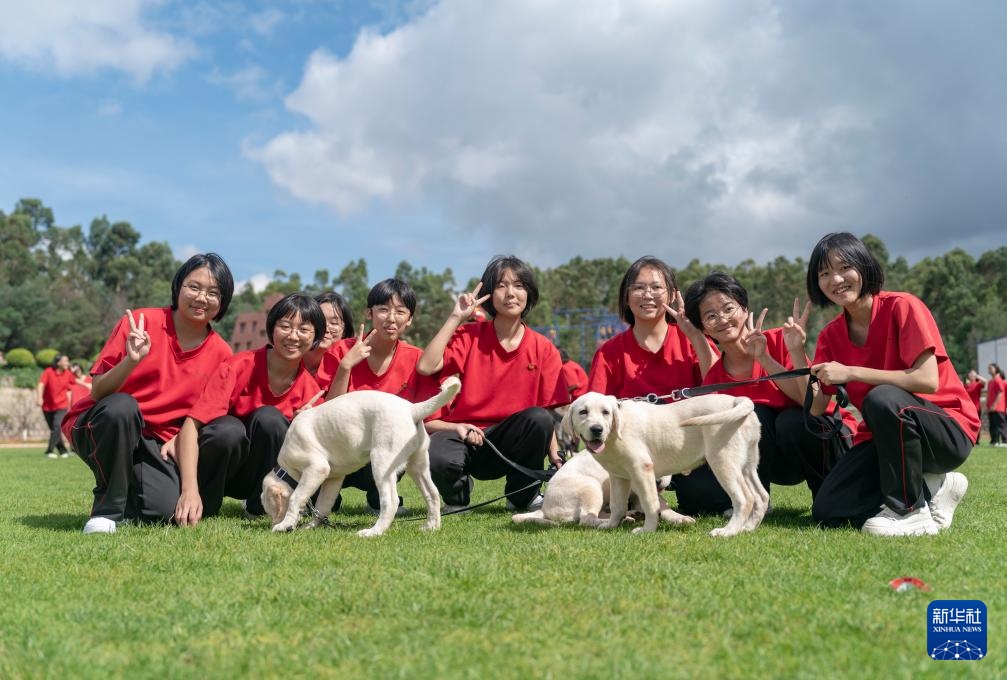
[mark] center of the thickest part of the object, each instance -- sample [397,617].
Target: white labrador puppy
[636,442]
[578,492]
[326,443]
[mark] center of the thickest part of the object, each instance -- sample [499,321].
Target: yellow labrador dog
[636,442]
[326,443]
[578,492]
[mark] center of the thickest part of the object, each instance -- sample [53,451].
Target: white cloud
[184,252]
[265,22]
[73,38]
[109,108]
[259,282]
[717,130]
[250,83]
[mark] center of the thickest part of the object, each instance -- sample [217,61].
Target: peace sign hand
[361,349]
[678,314]
[138,340]
[795,330]
[467,303]
[754,341]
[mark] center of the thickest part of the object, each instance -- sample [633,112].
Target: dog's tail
[742,407]
[449,388]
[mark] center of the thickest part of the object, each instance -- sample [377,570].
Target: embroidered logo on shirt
[532,366]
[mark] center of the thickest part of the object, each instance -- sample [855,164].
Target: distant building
[250,327]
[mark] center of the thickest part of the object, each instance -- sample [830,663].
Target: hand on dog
[189,509]
[168,449]
[755,341]
[795,332]
[467,303]
[361,349]
[311,402]
[138,340]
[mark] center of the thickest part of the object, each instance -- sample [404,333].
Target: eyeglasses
[334,323]
[384,311]
[726,314]
[194,291]
[287,329]
[640,289]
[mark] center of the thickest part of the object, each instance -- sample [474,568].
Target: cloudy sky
[303,134]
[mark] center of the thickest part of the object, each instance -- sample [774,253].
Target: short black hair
[996,368]
[55,359]
[850,250]
[302,305]
[564,356]
[715,282]
[494,272]
[218,270]
[339,302]
[384,291]
[630,278]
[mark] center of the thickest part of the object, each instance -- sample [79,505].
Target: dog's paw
[430,526]
[369,533]
[283,526]
[642,530]
[672,517]
[722,532]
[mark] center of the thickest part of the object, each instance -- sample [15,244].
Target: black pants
[998,427]
[235,456]
[911,437]
[54,419]
[523,437]
[132,481]
[788,455]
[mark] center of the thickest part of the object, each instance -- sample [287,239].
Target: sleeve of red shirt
[458,348]
[552,389]
[600,379]
[215,401]
[917,331]
[330,362]
[114,350]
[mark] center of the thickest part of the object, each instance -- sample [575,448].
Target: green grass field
[481,598]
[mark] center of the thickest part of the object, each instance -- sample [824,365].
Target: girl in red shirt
[53,394]
[146,378]
[510,376]
[236,427]
[918,422]
[574,375]
[788,453]
[338,326]
[380,361]
[996,406]
[81,387]
[974,386]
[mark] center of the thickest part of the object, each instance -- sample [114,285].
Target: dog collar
[285,476]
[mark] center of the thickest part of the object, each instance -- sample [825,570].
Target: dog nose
[596,430]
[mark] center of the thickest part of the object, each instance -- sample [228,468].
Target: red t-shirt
[622,368]
[78,391]
[901,329]
[576,378]
[167,382]
[54,387]
[768,393]
[496,383]
[400,379]
[974,389]
[241,385]
[995,388]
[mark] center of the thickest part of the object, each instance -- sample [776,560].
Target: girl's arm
[433,355]
[920,378]
[189,509]
[700,345]
[137,347]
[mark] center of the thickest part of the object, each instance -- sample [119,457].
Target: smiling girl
[233,433]
[918,422]
[146,378]
[510,375]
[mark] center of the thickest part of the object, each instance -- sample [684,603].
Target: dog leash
[540,475]
[700,390]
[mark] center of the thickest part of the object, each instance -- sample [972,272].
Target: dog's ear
[566,425]
[275,500]
[616,418]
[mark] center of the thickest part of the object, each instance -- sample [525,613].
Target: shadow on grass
[55,522]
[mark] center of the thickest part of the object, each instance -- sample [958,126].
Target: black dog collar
[285,476]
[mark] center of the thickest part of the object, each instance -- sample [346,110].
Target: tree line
[65,287]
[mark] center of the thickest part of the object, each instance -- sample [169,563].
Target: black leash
[540,475]
[700,390]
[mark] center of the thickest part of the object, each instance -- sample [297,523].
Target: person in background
[146,378]
[574,375]
[338,326]
[53,396]
[974,385]
[996,406]
[919,424]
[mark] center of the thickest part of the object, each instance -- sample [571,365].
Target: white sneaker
[919,522]
[52,454]
[947,498]
[536,503]
[99,525]
[65,454]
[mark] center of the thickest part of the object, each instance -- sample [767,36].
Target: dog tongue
[595,447]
